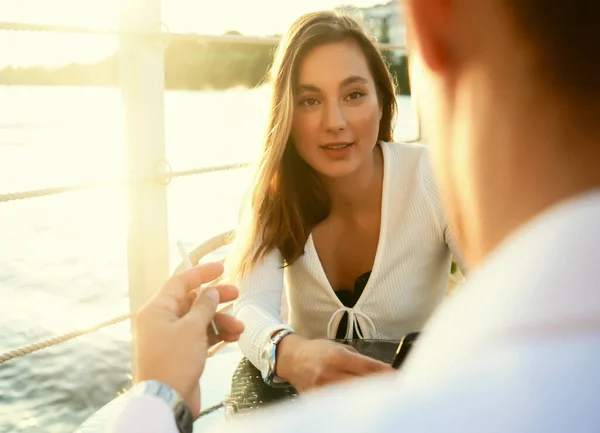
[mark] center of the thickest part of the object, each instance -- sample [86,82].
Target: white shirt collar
[543,280]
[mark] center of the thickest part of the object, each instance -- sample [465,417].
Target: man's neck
[552,166]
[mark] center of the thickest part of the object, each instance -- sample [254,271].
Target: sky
[251,17]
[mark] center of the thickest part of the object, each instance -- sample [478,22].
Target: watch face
[183,418]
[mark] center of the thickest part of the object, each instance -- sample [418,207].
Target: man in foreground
[509,95]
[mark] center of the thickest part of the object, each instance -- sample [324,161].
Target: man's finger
[223,336]
[229,328]
[203,309]
[227,292]
[179,285]
[227,323]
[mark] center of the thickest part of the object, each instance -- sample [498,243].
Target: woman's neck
[359,191]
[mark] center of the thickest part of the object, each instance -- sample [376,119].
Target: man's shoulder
[514,388]
[541,280]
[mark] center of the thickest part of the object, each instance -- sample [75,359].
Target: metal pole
[141,76]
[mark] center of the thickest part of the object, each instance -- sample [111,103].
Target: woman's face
[337,110]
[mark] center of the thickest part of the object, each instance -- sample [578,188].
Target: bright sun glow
[256,17]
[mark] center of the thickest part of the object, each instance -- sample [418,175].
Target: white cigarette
[187,263]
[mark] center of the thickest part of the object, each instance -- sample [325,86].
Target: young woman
[347,221]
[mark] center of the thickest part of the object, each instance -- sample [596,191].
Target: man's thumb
[204,307]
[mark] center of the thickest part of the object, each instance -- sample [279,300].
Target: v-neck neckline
[312,250]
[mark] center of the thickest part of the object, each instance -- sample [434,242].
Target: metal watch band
[271,354]
[181,412]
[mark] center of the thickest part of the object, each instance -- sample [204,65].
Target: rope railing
[22,195]
[197,171]
[205,248]
[236,39]
[164,179]
[30,348]
[53,341]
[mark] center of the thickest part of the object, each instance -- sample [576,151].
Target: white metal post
[141,76]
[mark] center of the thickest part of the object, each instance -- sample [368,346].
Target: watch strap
[181,412]
[269,376]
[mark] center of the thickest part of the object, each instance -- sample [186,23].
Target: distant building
[384,21]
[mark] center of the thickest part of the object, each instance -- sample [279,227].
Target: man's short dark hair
[565,37]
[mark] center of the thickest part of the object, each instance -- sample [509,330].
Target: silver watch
[269,359]
[181,411]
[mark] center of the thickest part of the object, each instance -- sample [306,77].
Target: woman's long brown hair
[288,199]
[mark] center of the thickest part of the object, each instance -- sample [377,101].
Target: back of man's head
[509,94]
[564,38]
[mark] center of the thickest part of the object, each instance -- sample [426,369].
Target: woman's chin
[339,170]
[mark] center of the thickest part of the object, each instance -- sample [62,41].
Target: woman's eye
[309,102]
[356,95]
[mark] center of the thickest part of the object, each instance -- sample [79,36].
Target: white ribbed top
[408,280]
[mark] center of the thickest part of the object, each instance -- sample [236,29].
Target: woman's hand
[308,364]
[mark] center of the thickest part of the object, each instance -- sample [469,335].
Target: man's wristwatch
[181,411]
[269,359]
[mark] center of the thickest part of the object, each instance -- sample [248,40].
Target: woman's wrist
[286,352]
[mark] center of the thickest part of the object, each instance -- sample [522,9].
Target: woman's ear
[429,26]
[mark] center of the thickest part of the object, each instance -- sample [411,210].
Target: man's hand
[172,333]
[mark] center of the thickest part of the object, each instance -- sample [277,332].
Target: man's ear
[429,24]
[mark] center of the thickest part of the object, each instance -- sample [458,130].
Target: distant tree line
[397,63]
[188,65]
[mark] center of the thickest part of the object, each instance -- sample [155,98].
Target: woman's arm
[303,363]
[439,211]
[454,250]
[259,306]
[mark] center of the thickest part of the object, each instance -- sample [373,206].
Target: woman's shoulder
[406,148]
[408,158]
[411,172]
